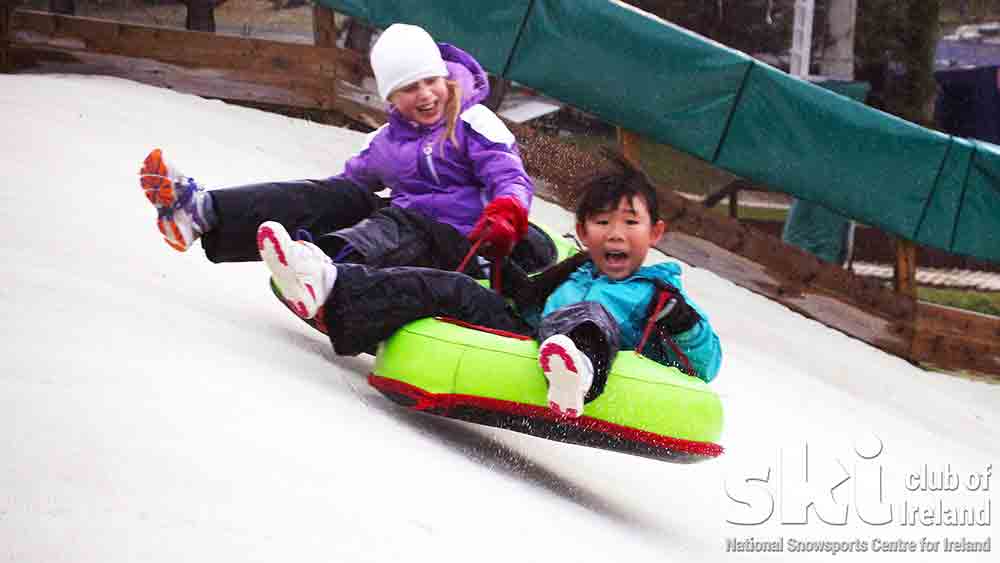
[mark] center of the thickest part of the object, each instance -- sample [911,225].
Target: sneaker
[184,210]
[569,372]
[302,272]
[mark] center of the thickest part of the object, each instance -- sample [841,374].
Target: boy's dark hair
[602,191]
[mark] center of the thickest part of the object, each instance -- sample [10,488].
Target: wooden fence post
[905,270]
[325,35]
[628,143]
[324,26]
[6,35]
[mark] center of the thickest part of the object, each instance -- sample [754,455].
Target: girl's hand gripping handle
[504,222]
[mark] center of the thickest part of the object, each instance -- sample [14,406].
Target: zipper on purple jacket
[429,157]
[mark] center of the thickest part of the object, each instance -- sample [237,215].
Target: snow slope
[157,407]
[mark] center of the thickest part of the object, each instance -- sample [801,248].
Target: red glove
[503,222]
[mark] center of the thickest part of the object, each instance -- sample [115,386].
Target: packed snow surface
[157,407]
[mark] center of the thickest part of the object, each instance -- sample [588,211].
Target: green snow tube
[478,375]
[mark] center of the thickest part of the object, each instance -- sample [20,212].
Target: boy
[617,220]
[591,305]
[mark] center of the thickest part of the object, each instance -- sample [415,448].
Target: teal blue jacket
[628,301]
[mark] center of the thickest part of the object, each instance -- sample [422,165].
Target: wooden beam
[325,35]
[257,87]
[956,339]
[231,68]
[970,325]
[186,48]
[905,268]
[628,143]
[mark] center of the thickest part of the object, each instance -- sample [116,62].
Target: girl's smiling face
[619,239]
[423,101]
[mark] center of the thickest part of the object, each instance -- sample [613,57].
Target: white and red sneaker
[183,209]
[302,272]
[569,372]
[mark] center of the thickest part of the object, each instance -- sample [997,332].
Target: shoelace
[184,191]
[304,234]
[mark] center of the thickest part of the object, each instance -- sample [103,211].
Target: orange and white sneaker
[303,274]
[184,209]
[569,372]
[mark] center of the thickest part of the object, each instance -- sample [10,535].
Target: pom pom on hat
[405,54]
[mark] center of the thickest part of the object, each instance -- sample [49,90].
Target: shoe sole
[159,190]
[155,183]
[172,234]
[560,369]
[273,246]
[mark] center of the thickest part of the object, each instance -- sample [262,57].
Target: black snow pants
[350,224]
[368,304]
[319,206]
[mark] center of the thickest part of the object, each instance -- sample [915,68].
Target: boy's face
[619,239]
[422,101]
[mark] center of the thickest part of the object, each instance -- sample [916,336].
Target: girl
[452,165]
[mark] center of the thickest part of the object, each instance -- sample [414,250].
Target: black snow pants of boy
[368,304]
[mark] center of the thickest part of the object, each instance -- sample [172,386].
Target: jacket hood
[466,70]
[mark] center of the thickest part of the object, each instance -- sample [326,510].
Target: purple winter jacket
[451,184]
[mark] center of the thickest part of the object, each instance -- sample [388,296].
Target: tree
[752,26]
[894,39]
[895,47]
[838,53]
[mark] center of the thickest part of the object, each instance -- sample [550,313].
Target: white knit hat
[404,54]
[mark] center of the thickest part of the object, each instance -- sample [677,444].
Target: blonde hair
[451,111]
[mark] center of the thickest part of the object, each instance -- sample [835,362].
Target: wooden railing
[904,280]
[207,64]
